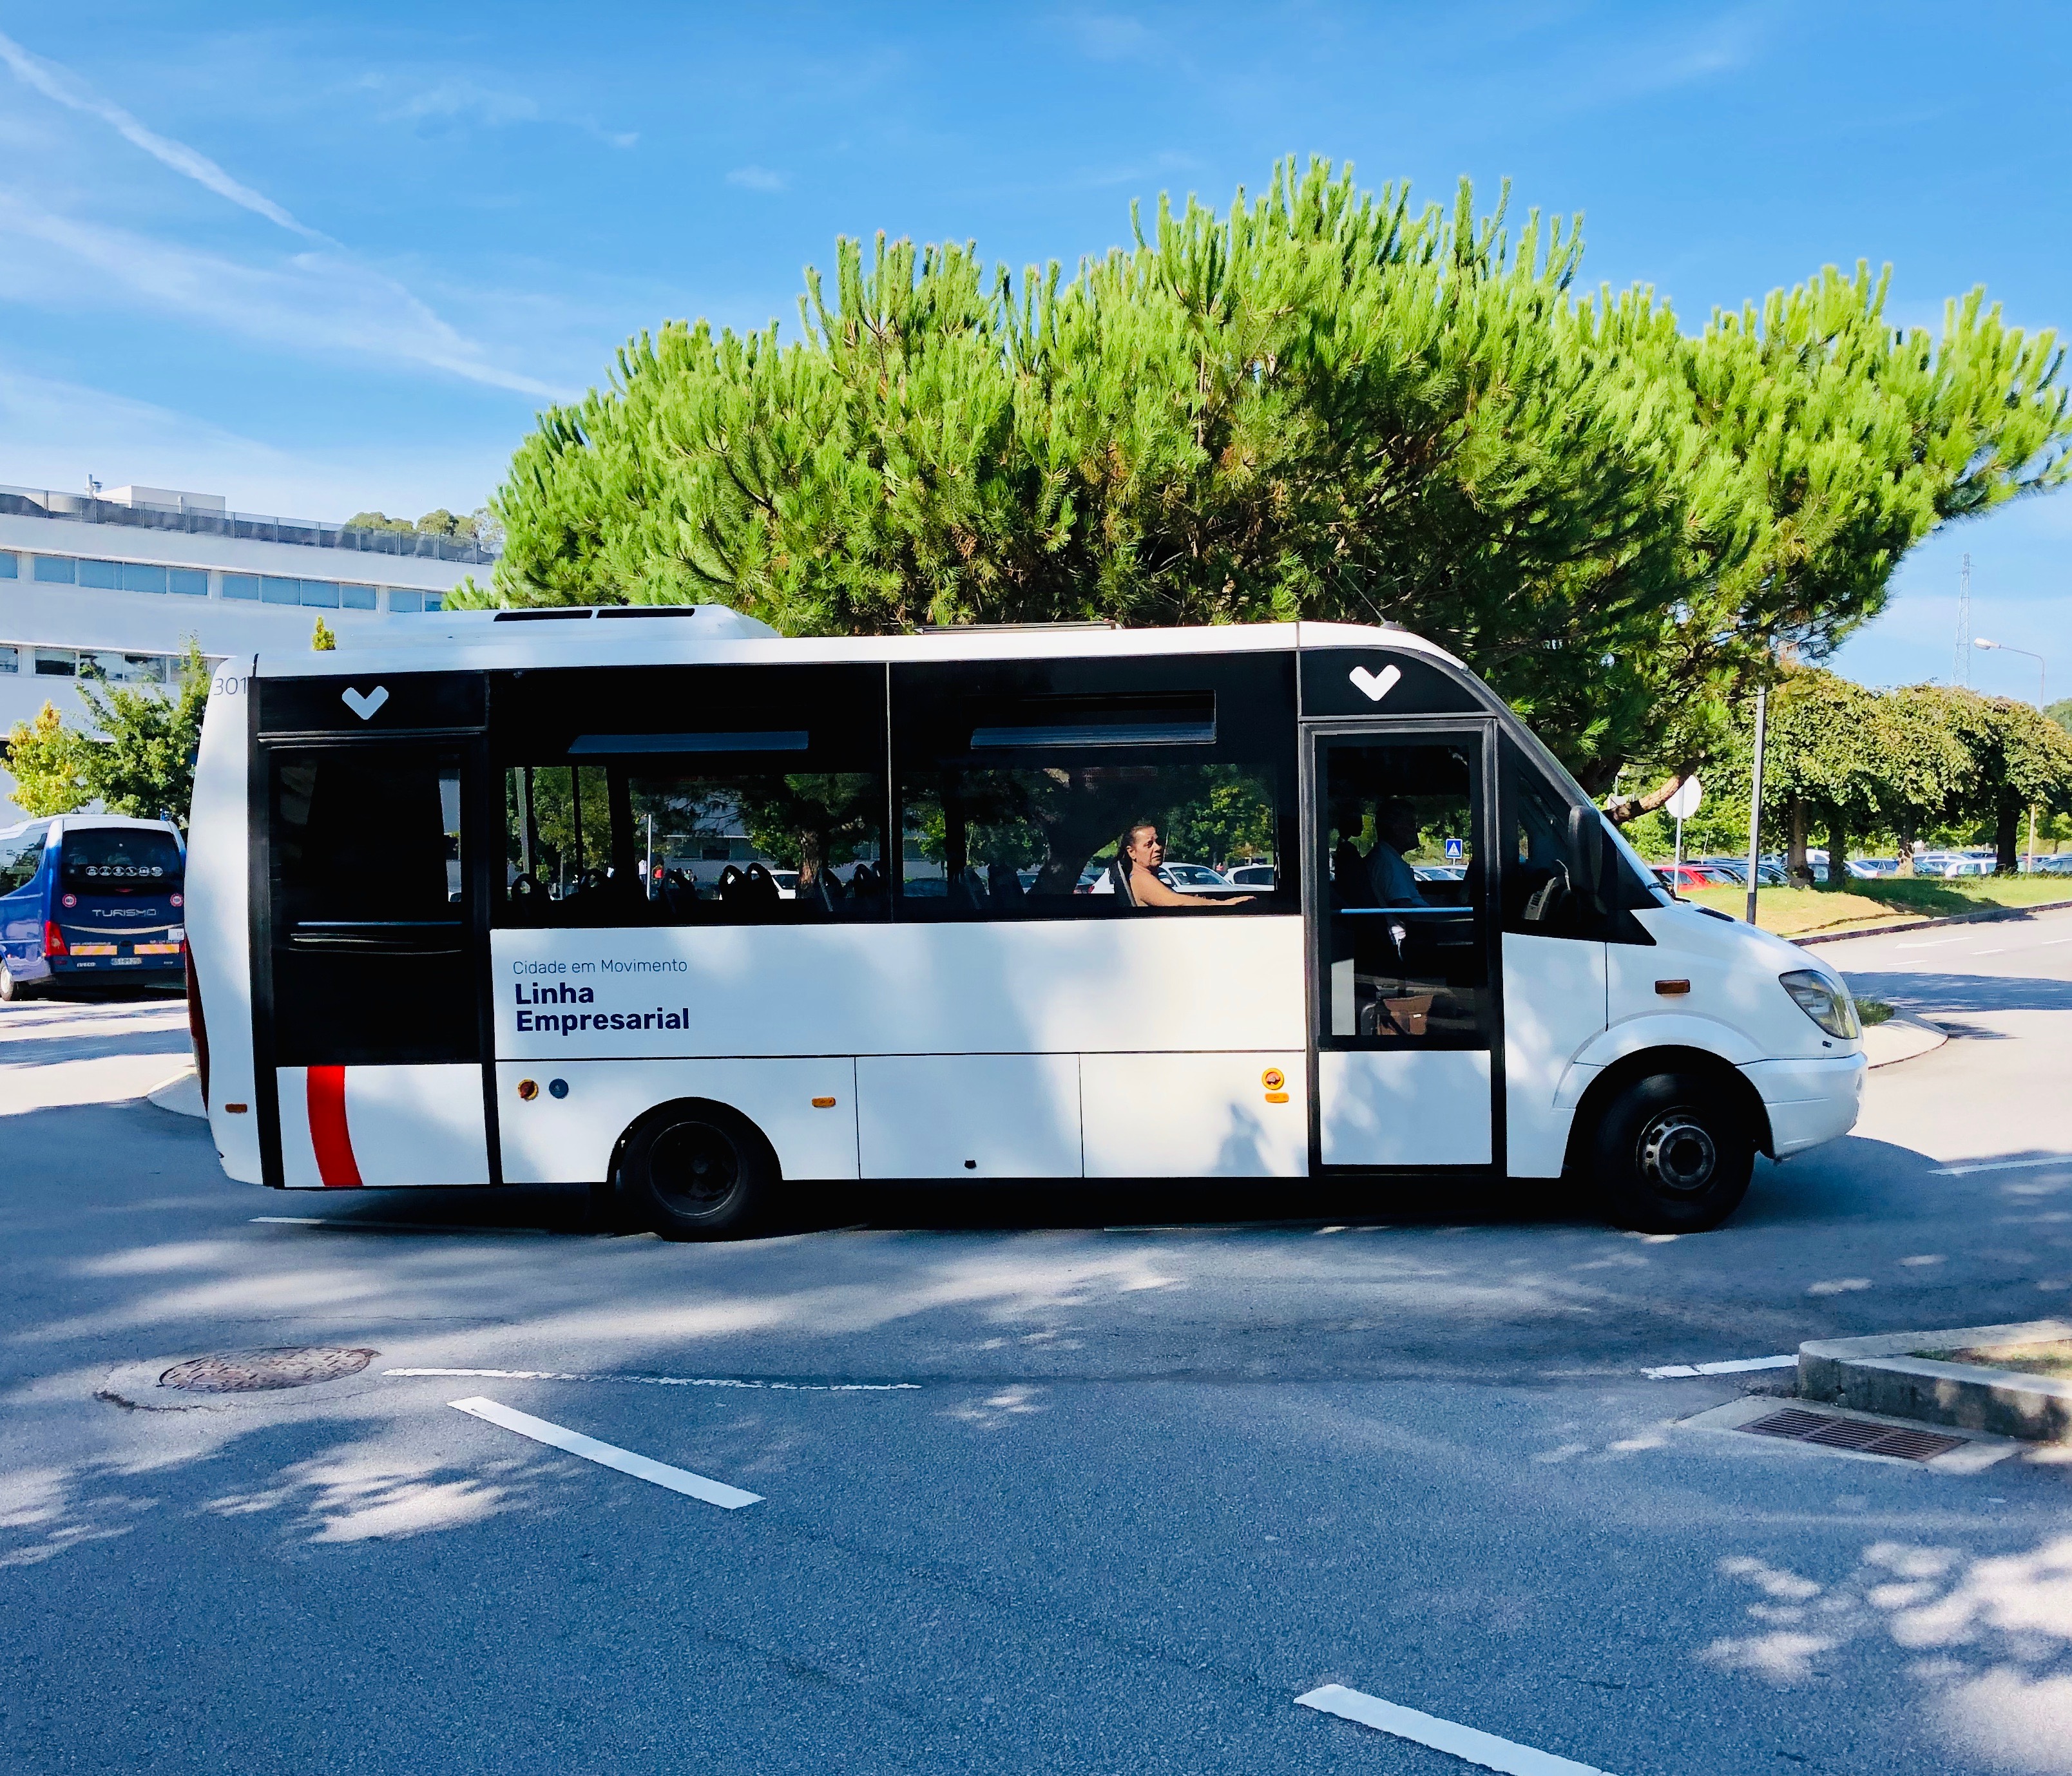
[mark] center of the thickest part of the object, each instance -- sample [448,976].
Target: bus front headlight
[1825,1002]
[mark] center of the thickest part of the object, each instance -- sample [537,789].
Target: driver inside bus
[1141,846]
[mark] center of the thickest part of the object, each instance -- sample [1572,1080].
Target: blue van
[91,897]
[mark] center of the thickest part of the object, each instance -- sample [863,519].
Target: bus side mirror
[1590,846]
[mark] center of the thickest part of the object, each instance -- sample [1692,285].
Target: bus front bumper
[1809,1102]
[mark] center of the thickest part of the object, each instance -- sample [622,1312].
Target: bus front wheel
[10,988]
[697,1171]
[1672,1155]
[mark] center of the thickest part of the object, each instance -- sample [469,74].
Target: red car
[1681,878]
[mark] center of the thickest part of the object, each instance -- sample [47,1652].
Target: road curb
[1881,1374]
[1886,1046]
[1986,915]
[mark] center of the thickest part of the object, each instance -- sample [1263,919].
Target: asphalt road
[1086,1483]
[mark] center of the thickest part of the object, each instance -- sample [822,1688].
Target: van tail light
[54,942]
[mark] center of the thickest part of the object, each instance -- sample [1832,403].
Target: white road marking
[608,1455]
[1999,1166]
[1465,1743]
[1929,942]
[675,1381]
[346,1224]
[1730,1368]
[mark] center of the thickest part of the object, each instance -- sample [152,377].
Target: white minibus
[497,904]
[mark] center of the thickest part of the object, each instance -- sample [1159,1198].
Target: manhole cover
[257,1371]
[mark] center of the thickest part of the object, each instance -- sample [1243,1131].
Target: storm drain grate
[258,1371]
[1849,1433]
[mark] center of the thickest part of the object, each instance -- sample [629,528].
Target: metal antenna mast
[1962,674]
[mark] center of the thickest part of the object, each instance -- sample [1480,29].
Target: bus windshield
[121,859]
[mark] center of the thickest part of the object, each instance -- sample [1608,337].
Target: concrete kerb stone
[1986,915]
[1880,1375]
[1901,1036]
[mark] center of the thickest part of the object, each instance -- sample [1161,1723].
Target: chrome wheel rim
[1678,1153]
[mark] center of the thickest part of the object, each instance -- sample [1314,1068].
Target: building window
[192,581]
[54,570]
[434,601]
[356,598]
[240,585]
[140,577]
[10,660]
[322,593]
[401,600]
[8,569]
[56,663]
[274,590]
[105,576]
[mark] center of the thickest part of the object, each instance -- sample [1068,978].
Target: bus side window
[693,795]
[1539,873]
[20,858]
[1019,789]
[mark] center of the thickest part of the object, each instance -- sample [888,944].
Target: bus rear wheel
[12,989]
[696,1171]
[1671,1155]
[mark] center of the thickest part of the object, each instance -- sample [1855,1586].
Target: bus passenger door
[1405,1015]
[371,997]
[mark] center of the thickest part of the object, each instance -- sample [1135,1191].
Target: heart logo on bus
[364,707]
[1376,685]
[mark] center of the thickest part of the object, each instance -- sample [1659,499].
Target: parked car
[1262,875]
[2057,863]
[1440,872]
[1768,874]
[1679,878]
[1193,879]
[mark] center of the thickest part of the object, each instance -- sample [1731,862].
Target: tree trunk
[1837,849]
[2006,840]
[1795,850]
[1906,843]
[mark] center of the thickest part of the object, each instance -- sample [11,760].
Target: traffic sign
[1455,850]
[1684,803]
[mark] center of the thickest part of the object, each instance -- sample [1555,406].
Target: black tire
[13,990]
[1672,1154]
[698,1171]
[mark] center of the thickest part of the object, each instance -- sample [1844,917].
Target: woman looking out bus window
[1140,844]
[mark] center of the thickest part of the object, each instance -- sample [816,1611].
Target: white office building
[122,579]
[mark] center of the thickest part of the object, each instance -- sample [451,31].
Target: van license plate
[127,962]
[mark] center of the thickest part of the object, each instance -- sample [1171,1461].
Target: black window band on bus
[1182,721]
[620,745]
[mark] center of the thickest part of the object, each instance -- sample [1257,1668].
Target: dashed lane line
[674,1381]
[1467,1743]
[609,1455]
[1999,1166]
[1735,1366]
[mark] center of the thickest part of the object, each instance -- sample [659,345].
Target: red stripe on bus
[328,1132]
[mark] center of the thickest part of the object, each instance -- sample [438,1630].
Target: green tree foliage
[324,639]
[1322,404]
[1843,762]
[48,761]
[143,765]
[476,527]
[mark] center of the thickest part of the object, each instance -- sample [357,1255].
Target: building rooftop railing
[83,508]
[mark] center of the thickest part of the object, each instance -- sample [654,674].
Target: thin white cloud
[1109,37]
[457,100]
[321,301]
[55,433]
[59,85]
[758,179]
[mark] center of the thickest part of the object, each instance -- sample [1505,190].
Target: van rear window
[99,859]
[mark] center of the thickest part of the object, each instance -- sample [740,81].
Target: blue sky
[337,260]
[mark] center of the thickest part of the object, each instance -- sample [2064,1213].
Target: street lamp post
[2002,647]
